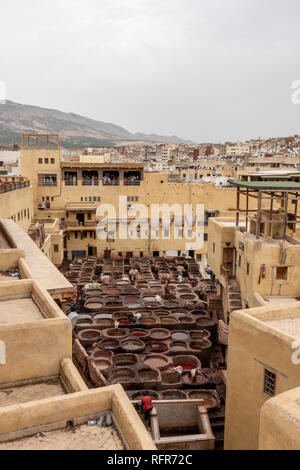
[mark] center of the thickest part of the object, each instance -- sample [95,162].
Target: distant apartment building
[234,150]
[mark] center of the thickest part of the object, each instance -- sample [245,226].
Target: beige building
[73,191]
[263,362]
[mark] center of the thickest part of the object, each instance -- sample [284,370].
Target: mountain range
[74,130]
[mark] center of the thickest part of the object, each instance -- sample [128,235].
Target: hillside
[74,130]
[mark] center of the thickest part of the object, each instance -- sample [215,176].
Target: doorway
[80,218]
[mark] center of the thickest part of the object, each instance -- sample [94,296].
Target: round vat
[122,374]
[110,344]
[186,319]
[156,347]
[122,360]
[102,364]
[158,361]
[139,333]
[115,333]
[199,335]
[170,378]
[140,394]
[199,379]
[145,375]
[147,320]
[186,362]
[102,354]
[177,346]
[93,305]
[88,337]
[133,345]
[104,322]
[168,320]
[205,323]
[174,395]
[209,397]
[187,297]
[84,318]
[159,334]
[180,336]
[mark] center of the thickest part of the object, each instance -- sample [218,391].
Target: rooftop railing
[7,186]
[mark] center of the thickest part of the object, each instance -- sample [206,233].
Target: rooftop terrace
[39,267]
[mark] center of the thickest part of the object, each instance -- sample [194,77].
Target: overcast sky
[206,70]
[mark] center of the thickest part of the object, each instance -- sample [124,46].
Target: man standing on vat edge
[147,406]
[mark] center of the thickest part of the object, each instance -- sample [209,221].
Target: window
[40,161]
[84,234]
[47,180]
[180,233]
[214,247]
[98,198]
[205,237]
[248,269]
[76,234]
[269,383]
[240,261]
[282,273]
[52,160]
[55,248]
[89,216]
[166,233]
[46,161]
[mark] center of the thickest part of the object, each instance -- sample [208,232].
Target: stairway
[217,423]
[234,297]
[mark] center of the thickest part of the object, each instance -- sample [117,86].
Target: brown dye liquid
[102,365]
[179,336]
[158,334]
[131,346]
[155,362]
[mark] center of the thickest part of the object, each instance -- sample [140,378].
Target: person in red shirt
[147,406]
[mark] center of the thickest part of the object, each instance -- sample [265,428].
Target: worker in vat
[193,375]
[180,278]
[131,318]
[73,317]
[147,406]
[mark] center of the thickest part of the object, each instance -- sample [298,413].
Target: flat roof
[80,206]
[121,165]
[275,173]
[4,243]
[82,437]
[19,311]
[41,268]
[288,325]
[23,393]
[266,185]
